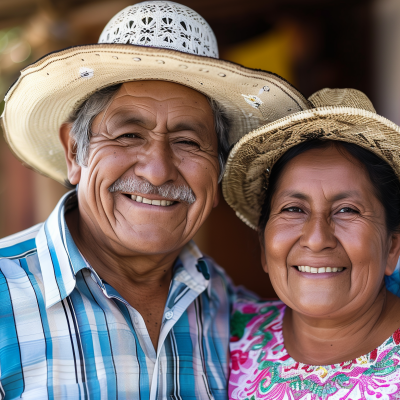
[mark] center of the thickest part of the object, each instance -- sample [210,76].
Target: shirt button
[169,314]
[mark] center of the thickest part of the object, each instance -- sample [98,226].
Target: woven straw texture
[340,114]
[47,92]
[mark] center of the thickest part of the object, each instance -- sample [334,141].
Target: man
[109,298]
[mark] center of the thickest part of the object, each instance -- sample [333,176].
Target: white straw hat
[339,114]
[153,40]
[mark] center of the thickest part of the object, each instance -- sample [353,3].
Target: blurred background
[311,43]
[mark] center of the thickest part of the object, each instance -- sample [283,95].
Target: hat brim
[50,89]
[253,157]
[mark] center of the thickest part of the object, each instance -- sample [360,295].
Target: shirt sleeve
[2,392]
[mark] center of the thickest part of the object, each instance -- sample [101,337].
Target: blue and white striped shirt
[66,334]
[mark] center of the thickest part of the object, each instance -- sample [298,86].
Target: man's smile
[162,203]
[152,200]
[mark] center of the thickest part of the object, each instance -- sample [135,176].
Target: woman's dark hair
[383,178]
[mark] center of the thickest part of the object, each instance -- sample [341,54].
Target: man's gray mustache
[169,191]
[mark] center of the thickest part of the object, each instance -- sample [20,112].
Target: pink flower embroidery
[267,381]
[250,309]
[374,354]
[267,372]
[396,336]
[238,357]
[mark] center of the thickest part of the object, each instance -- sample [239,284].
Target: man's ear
[394,253]
[69,145]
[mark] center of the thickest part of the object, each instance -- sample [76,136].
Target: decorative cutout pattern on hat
[162,24]
[153,40]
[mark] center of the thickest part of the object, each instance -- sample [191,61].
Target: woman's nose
[318,234]
[156,163]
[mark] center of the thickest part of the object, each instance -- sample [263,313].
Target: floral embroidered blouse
[261,368]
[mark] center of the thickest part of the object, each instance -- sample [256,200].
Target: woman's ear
[69,145]
[263,256]
[394,253]
[217,197]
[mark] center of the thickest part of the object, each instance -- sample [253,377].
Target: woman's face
[326,246]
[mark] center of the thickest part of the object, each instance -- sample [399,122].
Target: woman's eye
[293,209]
[127,135]
[348,210]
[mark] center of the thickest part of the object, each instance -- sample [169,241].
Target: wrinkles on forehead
[324,178]
[163,112]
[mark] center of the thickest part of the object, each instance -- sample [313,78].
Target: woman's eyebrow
[346,195]
[303,196]
[296,195]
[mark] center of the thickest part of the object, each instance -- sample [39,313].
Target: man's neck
[142,280]
[316,341]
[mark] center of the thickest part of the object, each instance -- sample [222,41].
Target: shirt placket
[154,360]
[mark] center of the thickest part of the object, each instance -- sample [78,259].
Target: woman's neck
[317,341]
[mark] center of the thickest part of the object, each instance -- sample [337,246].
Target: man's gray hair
[82,119]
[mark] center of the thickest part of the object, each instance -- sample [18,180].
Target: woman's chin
[321,310]
[316,303]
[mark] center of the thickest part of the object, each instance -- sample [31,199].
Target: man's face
[156,133]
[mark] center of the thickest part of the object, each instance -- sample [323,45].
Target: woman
[322,187]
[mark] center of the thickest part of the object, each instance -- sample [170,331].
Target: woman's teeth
[140,199]
[306,268]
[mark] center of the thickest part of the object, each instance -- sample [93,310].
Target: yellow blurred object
[270,52]
[322,372]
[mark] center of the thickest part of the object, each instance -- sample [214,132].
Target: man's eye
[127,135]
[293,209]
[348,210]
[188,143]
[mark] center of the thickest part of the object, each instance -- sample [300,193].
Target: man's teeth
[140,199]
[306,268]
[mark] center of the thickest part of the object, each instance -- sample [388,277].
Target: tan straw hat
[340,114]
[153,40]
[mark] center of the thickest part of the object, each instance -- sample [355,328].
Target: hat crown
[162,24]
[341,98]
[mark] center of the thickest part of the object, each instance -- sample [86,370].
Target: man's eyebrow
[126,119]
[188,126]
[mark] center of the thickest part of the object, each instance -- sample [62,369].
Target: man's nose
[156,163]
[318,234]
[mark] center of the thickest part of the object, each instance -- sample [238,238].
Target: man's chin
[151,241]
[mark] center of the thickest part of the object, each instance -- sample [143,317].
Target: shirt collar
[195,273]
[60,259]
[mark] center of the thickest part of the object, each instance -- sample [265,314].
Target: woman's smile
[309,272]
[317,270]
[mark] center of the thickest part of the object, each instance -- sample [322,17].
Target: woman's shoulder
[248,304]
[249,316]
